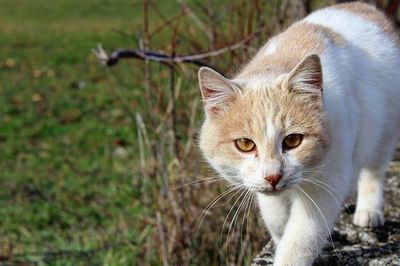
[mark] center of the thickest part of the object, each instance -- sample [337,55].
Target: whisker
[223,204]
[242,190]
[332,189]
[212,203]
[323,216]
[324,188]
[338,194]
[236,214]
[331,174]
[200,181]
[328,173]
[246,214]
[244,201]
[245,211]
[324,163]
[307,206]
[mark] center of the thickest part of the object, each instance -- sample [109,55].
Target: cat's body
[314,113]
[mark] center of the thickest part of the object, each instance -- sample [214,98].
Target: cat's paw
[368,218]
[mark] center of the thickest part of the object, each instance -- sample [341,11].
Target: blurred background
[99,164]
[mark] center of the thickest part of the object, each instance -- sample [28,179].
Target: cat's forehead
[256,110]
[265,93]
[263,106]
[261,81]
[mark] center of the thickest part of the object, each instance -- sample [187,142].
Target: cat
[312,117]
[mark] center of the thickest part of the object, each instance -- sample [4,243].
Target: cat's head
[264,136]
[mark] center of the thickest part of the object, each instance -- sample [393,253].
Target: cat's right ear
[216,90]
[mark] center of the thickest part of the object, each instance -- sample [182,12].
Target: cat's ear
[306,77]
[216,90]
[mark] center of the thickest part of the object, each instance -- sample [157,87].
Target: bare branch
[110,60]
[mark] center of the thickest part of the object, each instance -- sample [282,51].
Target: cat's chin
[269,191]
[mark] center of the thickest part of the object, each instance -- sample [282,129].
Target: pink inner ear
[208,95]
[208,92]
[315,80]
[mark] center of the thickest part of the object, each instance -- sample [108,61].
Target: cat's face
[264,136]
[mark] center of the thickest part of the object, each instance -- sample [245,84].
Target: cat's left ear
[306,77]
[216,90]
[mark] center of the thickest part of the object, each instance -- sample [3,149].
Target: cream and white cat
[315,112]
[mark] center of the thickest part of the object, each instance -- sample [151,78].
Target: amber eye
[292,141]
[245,145]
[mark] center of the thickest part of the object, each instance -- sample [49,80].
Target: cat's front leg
[369,210]
[308,227]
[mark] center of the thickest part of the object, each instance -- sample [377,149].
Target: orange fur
[298,41]
[245,117]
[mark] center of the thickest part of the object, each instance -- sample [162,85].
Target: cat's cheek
[292,169]
[310,152]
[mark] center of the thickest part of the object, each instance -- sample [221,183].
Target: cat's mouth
[286,183]
[269,190]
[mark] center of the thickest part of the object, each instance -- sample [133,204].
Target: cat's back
[347,35]
[365,72]
[361,25]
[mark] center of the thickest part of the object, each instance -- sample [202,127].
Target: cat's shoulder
[353,15]
[364,10]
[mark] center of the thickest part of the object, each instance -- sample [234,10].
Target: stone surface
[361,246]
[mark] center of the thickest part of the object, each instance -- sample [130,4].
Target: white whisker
[200,181]
[236,214]
[243,191]
[324,188]
[212,203]
[324,218]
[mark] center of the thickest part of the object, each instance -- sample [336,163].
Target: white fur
[271,132]
[362,100]
[271,47]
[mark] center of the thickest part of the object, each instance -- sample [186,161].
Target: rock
[360,246]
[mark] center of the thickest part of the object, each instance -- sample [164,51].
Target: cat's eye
[245,145]
[292,141]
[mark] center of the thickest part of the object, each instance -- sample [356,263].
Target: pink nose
[273,179]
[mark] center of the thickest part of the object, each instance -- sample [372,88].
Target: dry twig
[110,60]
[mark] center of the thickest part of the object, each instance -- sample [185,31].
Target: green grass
[60,121]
